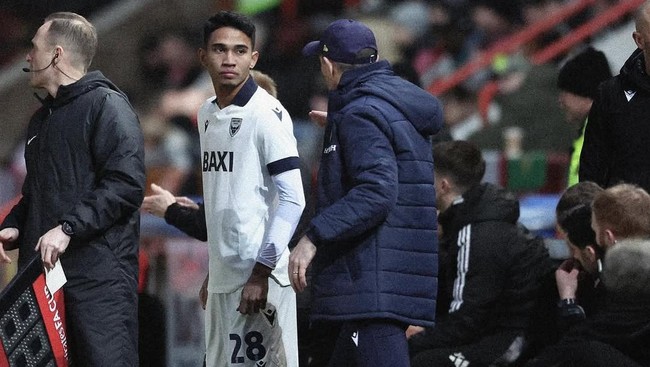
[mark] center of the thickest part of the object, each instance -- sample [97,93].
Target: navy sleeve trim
[283,165]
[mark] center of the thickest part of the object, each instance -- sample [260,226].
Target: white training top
[243,145]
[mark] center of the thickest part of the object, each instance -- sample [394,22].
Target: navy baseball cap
[342,41]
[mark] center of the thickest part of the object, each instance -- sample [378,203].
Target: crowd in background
[425,41]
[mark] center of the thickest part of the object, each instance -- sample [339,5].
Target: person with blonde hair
[621,211]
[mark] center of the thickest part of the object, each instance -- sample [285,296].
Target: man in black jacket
[84,186]
[491,269]
[616,145]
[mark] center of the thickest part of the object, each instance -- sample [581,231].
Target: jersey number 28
[254,348]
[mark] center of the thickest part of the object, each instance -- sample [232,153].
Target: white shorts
[269,338]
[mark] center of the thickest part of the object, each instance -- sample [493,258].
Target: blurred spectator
[169,60]
[443,48]
[527,99]
[412,20]
[462,117]
[578,82]
[19,20]
[12,173]
[14,36]
[171,153]
[495,19]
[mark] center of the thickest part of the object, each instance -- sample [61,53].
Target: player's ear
[254,57]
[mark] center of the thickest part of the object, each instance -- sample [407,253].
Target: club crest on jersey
[235,124]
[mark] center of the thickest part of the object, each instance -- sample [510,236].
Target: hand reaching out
[158,202]
[8,237]
[319,117]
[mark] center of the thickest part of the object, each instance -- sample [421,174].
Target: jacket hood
[92,80]
[482,203]
[633,72]
[378,79]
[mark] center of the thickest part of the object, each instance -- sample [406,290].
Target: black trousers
[502,349]
[373,342]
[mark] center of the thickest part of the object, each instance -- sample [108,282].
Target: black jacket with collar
[85,165]
[616,145]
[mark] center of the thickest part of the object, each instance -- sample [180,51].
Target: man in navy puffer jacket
[373,239]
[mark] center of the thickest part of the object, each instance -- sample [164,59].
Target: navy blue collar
[245,93]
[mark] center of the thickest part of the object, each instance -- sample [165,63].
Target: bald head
[642,17]
[642,33]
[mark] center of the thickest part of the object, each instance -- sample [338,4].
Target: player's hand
[8,237]
[158,202]
[186,202]
[300,258]
[52,245]
[566,277]
[412,330]
[203,292]
[256,289]
[319,117]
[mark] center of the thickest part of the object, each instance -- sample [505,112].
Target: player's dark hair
[228,19]
[573,212]
[460,160]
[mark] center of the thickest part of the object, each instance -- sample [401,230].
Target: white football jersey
[242,146]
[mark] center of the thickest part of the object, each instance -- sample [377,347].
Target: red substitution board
[32,322]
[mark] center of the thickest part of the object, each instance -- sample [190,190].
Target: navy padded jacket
[375,225]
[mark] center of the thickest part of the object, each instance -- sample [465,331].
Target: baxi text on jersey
[218,161]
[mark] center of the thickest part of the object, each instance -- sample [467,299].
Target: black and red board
[32,322]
